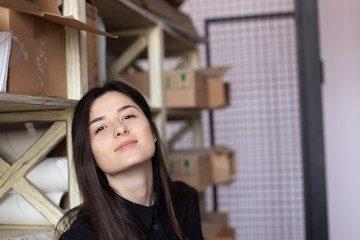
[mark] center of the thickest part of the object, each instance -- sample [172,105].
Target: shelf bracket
[128,56]
[198,133]
[74,192]
[178,135]
[13,176]
[32,156]
[190,124]
[38,200]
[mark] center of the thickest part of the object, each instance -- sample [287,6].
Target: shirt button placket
[156,227]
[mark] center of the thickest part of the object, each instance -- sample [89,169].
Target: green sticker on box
[183,77]
[186,163]
[168,83]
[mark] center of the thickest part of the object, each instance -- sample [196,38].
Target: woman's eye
[128,117]
[99,129]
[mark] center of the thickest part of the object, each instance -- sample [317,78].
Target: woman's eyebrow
[123,108]
[96,120]
[126,107]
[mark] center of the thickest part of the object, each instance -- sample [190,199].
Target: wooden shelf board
[183,114]
[12,231]
[156,110]
[124,15]
[10,102]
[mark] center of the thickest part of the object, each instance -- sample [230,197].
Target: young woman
[121,171]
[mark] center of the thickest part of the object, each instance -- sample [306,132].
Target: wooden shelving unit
[17,108]
[140,35]
[10,103]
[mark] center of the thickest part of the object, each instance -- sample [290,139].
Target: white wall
[340,52]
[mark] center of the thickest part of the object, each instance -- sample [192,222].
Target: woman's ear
[155,139]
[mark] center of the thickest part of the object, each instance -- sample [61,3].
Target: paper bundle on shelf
[14,209]
[50,176]
[13,144]
[5,45]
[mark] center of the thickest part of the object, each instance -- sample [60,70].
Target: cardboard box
[215,226]
[215,217]
[183,88]
[214,231]
[217,91]
[227,94]
[223,164]
[139,80]
[191,167]
[186,88]
[37,58]
[37,55]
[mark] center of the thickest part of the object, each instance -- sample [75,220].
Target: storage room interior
[256,101]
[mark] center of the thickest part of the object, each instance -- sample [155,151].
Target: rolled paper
[14,209]
[51,175]
[13,144]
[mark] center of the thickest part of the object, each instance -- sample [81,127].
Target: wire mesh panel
[199,10]
[263,122]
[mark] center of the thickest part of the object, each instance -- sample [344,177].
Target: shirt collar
[146,214]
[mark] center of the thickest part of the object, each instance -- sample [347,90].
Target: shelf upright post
[156,59]
[76,52]
[74,192]
[193,58]
[77,81]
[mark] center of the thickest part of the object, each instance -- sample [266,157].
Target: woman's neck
[135,184]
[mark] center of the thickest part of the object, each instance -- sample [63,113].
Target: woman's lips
[125,145]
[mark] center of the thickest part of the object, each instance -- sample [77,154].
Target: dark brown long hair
[100,202]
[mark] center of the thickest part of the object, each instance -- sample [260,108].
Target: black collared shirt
[155,219]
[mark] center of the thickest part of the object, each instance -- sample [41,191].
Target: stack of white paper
[5,45]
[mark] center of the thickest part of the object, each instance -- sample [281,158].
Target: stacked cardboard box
[201,168]
[215,226]
[187,88]
[37,64]
[192,167]
[223,162]
[218,92]
[37,56]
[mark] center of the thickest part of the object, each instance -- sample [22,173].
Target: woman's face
[120,133]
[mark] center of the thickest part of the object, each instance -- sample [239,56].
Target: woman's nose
[120,130]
